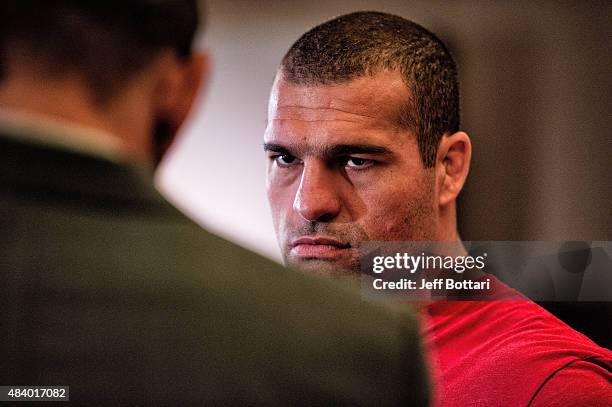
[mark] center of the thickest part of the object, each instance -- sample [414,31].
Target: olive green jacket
[108,289]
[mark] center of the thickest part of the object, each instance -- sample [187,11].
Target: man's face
[342,171]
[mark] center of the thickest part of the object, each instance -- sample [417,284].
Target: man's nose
[317,196]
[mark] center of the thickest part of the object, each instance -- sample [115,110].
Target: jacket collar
[50,170]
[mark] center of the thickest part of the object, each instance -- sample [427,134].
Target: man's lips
[317,247]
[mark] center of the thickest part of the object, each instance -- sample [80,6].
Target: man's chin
[336,268]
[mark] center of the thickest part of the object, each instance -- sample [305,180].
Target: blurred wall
[536,84]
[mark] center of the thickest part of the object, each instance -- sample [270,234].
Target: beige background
[536,84]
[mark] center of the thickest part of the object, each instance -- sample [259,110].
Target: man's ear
[178,83]
[181,82]
[452,165]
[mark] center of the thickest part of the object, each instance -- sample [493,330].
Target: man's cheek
[283,225]
[278,197]
[381,227]
[386,220]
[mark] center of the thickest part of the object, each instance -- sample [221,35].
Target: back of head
[103,42]
[367,42]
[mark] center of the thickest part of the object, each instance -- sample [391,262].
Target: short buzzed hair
[105,42]
[367,42]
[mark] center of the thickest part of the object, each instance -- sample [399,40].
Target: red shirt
[512,352]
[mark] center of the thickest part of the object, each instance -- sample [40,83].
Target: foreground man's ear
[178,84]
[181,81]
[452,166]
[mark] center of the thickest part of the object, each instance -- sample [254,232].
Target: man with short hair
[105,287]
[364,144]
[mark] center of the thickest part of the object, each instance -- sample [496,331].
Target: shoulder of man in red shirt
[512,352]
[579,383]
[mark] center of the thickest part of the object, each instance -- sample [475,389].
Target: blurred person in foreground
[364,144]
[108,289]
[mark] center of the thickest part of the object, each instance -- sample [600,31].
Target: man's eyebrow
[347,149]
[277,148]
[337,150]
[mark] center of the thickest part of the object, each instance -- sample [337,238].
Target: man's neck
[50,131]
[447,226]
[69,102]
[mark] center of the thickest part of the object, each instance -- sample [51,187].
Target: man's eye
[358,163]
[285,159]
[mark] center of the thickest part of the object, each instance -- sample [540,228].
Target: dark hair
[367,42]
[106,42]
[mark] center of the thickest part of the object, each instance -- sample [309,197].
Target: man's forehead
[378,96]
[320,133]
